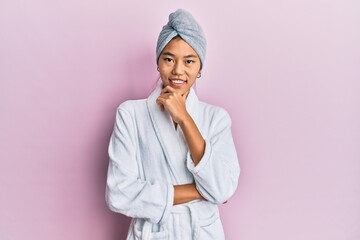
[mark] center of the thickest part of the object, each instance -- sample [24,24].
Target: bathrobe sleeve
[216,175]
[126,192]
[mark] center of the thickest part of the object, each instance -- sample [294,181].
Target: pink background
[288,72]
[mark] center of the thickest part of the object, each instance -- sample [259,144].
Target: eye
[168,60]
[190,61]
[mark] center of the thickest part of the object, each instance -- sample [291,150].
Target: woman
[172,157]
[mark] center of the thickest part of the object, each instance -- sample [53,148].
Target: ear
[199,75]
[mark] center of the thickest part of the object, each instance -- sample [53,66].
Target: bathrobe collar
[166,132]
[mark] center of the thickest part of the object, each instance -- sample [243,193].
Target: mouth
[177,83]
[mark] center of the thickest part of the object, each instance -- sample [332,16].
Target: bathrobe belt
[177,209]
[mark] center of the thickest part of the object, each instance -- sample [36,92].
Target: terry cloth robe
[148,156]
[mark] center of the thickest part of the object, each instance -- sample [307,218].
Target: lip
[177,83]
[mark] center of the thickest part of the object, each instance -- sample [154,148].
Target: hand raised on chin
[173,102]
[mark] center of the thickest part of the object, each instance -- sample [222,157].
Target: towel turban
[182,23]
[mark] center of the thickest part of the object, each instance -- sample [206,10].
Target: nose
[178,68]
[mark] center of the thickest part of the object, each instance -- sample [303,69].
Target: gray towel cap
[182,23]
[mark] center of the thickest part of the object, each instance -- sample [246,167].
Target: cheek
[163,69]
[164,77]
[194,73]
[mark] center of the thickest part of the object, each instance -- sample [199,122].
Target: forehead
[178,46]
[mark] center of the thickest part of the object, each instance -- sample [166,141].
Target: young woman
[172,157]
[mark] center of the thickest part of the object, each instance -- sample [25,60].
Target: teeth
[177,81]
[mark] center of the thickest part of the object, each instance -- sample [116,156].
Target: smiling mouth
[177,82]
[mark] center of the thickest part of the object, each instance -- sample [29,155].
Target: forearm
[195,141]
[186,193]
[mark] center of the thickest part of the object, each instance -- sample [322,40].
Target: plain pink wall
[288,72]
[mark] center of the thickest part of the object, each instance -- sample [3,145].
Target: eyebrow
[168,53]
[173,55]
[190,56]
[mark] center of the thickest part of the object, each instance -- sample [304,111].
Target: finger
[165,95]
[160,100]
[163,99]
[168,89]
[160,103]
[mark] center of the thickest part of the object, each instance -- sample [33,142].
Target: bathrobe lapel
[166,133]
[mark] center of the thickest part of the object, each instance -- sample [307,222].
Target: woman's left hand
[173,102]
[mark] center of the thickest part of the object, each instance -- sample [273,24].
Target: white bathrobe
[148,156]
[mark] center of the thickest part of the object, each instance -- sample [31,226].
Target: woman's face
[179,65]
